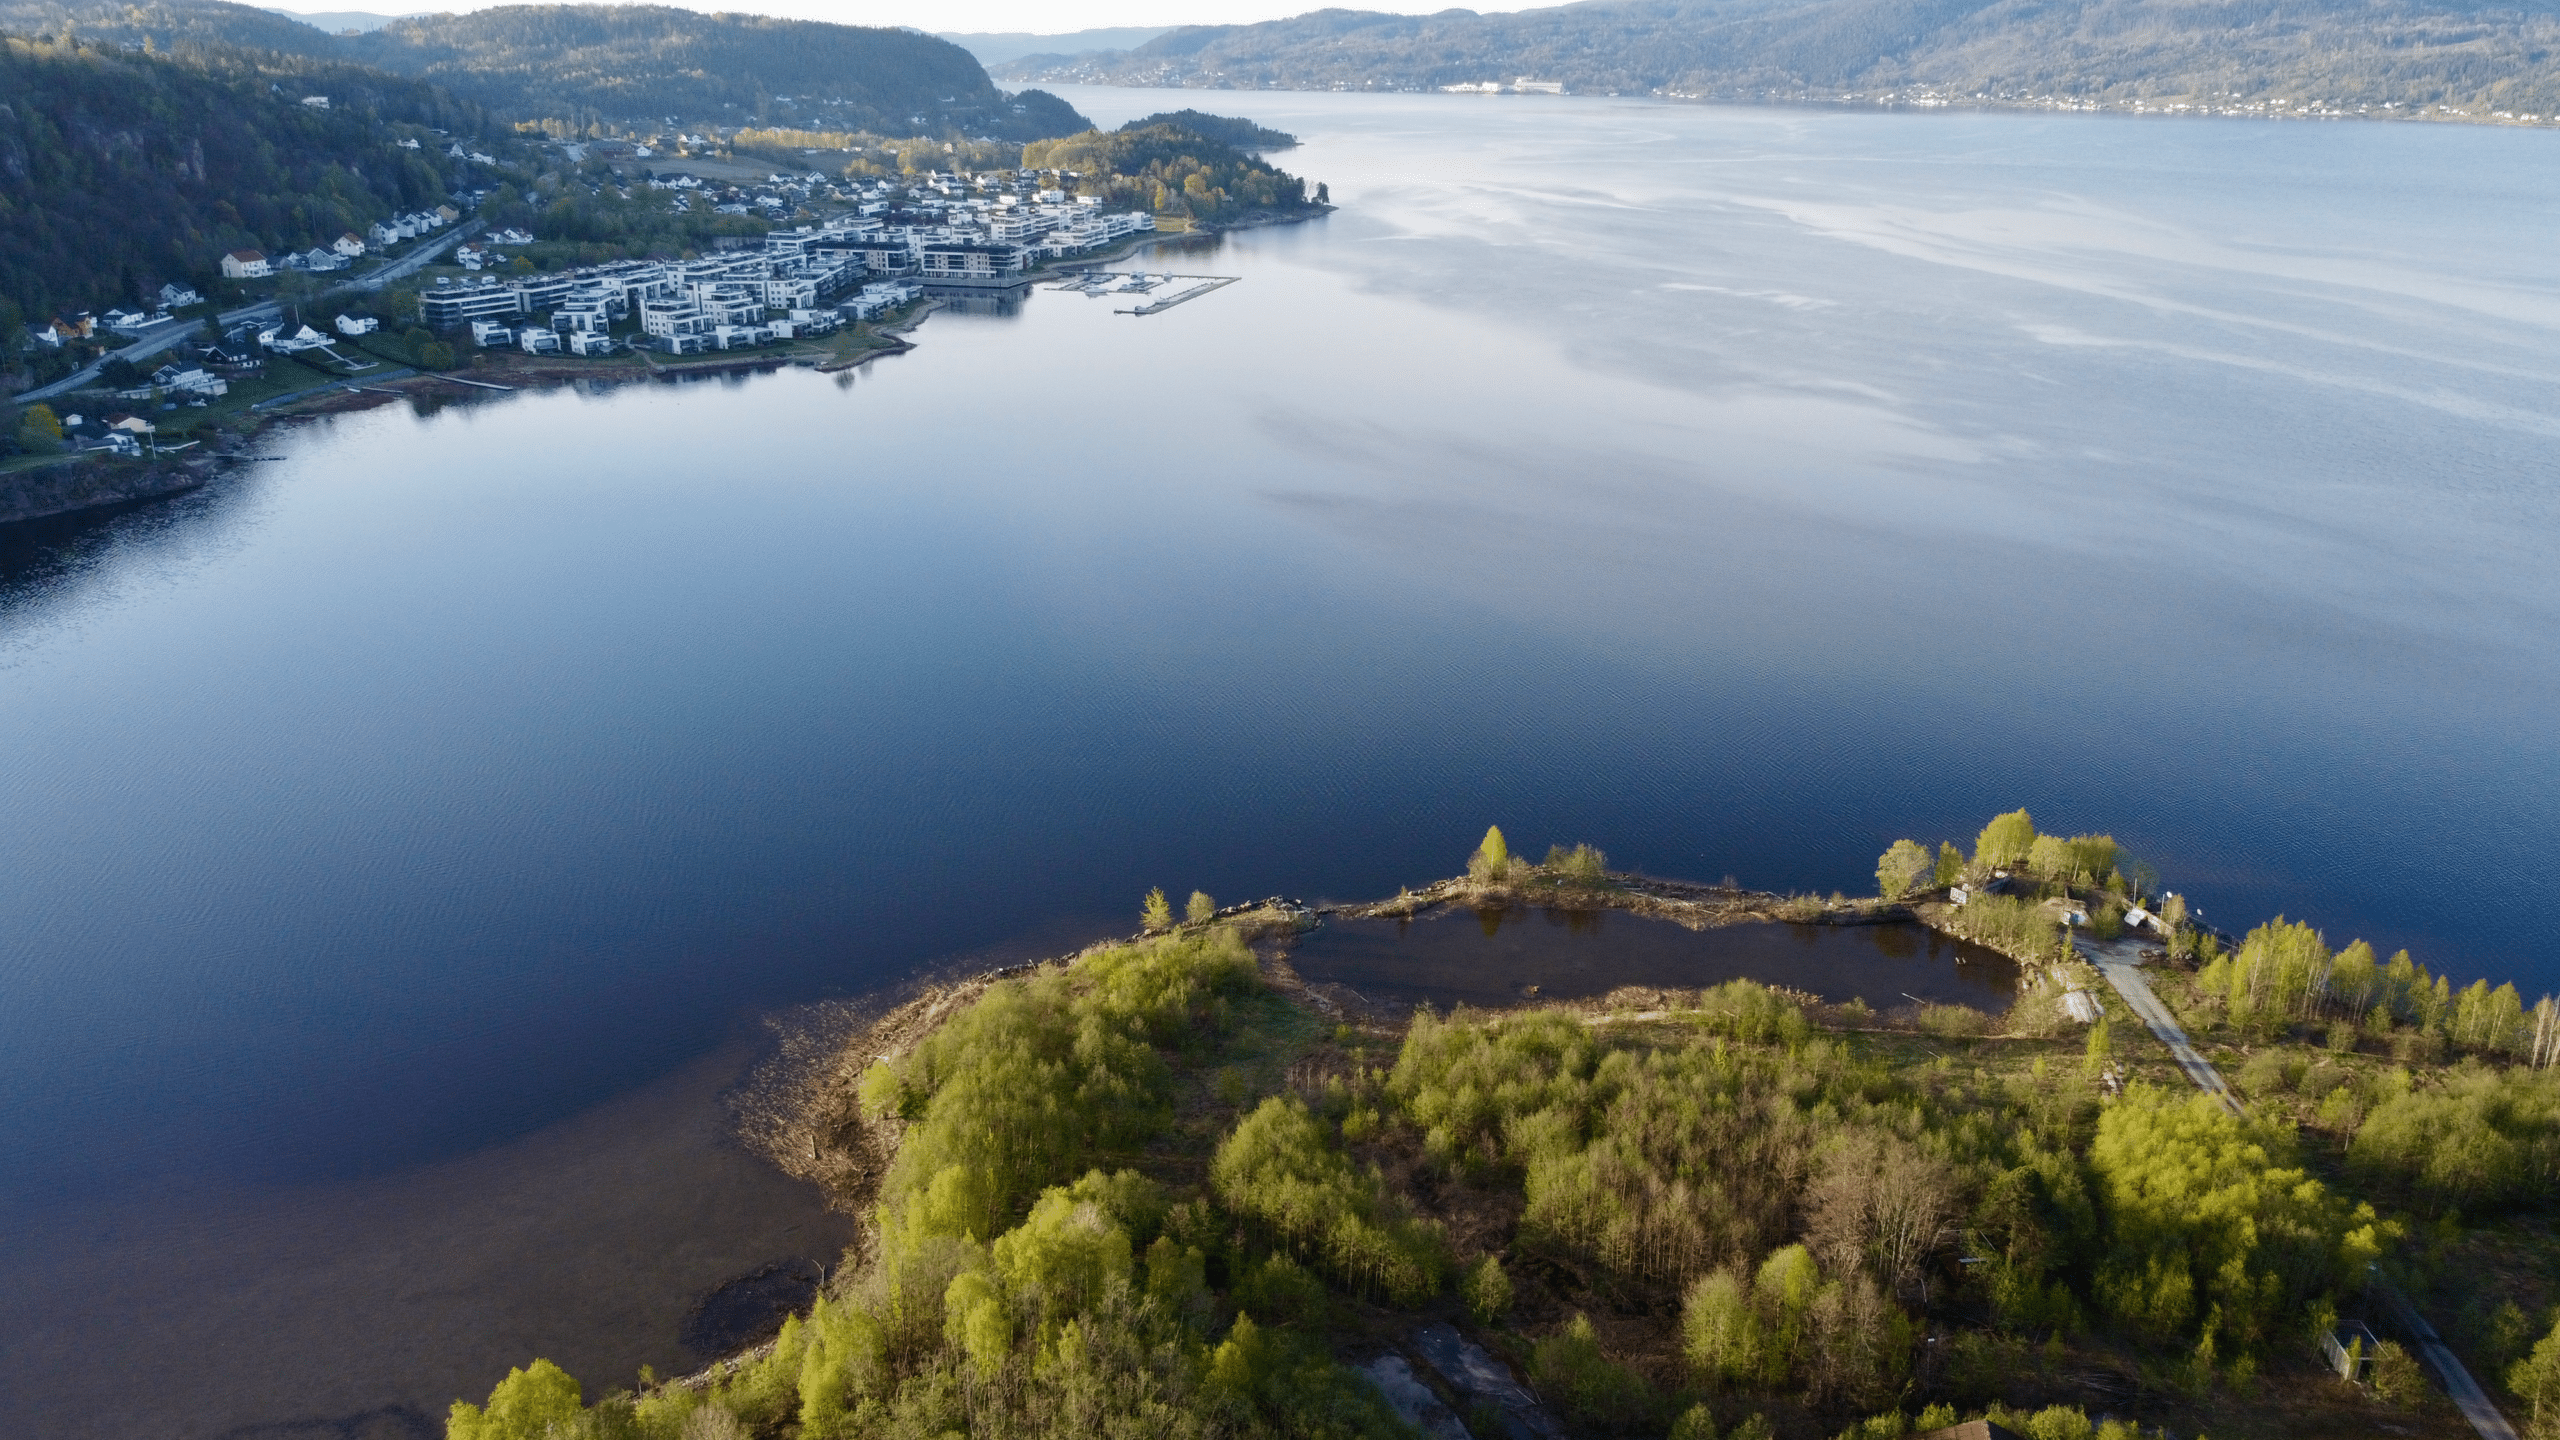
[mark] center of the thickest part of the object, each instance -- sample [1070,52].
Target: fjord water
[403,837]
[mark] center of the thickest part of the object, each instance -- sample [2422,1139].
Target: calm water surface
[1734,489]
[1513,955]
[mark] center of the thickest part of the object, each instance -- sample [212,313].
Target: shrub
[1696,1423]
[2100,1051]
[1156,913]
[1582,865]
[2010,925]
[1954,1022]
[2397,1380]
[1200,909]
[1491,863]
[1278,1169]
[1570,1367]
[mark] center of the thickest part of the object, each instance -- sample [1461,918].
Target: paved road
[138,351]
[2120,961]
[143,349]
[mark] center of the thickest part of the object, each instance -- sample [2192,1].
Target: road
[178,330]
[2121,962]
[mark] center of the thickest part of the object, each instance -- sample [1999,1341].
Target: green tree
[2213,1229]
[1200,909]
[39,431]
[1492,860]
[2101,1049]
[524,1406]
[2005,841]
[436,355]
[2397,1380]
[1950,865]
[1902,868]
[2535,1379]
[1487,1290]
[1157,913]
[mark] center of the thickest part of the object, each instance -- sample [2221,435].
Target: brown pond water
[1491,957]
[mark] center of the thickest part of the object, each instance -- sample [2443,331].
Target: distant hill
[338,22]
[620,62]
[1227,130]
[2352,52]
[614,63]
[996,47]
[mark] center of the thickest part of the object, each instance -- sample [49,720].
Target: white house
[485,333]
[383,233]
[304,338]
[173,296]
[538,340]
[350,244]
[246,265]
[316,102]
[352,325]
[590,342]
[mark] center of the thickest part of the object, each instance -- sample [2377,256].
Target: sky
[1045,17]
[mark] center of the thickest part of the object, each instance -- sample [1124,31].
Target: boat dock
[1206,284]
[1141,282]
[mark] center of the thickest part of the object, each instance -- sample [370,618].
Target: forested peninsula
[1164,1187]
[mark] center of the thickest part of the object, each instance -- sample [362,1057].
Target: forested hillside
[124,170]
[2401,53]
[1171,170]
[615,63]
[620,62]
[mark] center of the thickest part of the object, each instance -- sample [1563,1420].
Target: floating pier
[1141,282]
[1205,284]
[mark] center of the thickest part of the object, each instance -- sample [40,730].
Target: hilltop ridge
[2462,60]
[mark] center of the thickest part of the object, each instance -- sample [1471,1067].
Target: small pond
[1492,957]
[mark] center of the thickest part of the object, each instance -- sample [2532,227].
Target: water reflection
[1440,959]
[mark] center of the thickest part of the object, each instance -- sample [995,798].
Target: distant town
[982,232]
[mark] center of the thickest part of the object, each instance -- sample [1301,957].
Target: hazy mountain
[996,47]
[338,22]
[2408,52]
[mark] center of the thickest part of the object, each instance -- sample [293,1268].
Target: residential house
[485,333]
[590,343]
[173,296]
[383,233]
[357,325]
[246,265]
[350,244]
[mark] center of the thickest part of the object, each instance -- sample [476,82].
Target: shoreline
[99,482]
